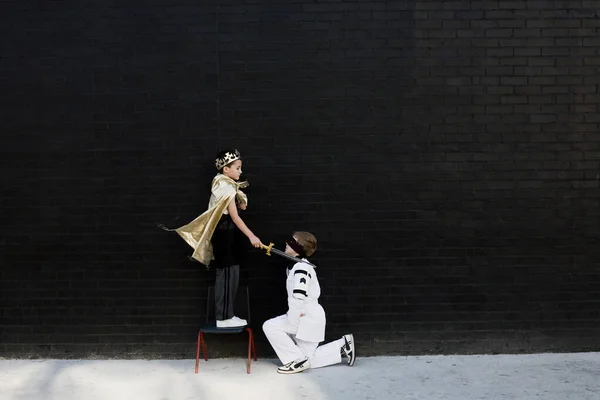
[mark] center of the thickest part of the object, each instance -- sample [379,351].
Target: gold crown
[229,157]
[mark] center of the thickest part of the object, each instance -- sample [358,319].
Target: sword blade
[283,254]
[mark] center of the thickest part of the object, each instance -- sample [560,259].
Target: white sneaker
[348,349]
[294,367]
[230,323]
[239,320]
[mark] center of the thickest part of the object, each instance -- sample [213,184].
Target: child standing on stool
[295,336]
[226,241]
[214,235]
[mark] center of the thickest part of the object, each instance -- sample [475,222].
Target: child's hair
[308,241]
[224,156]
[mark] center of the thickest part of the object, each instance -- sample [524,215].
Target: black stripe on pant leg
[224,293]
[226,296]
[228,292]
[234,286]
[229,274]
[235,272]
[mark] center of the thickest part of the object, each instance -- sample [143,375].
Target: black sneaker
[348,349]
[294,367]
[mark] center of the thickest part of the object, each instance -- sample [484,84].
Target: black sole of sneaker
[352,359]
[291,372]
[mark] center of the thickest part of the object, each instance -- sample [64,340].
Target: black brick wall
[445,153]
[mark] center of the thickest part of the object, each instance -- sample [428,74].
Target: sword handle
[268,248]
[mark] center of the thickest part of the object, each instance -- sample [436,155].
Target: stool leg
[204,348]
[249,349]
[253,347]
[198,350]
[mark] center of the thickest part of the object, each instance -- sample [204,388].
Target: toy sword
[270,249]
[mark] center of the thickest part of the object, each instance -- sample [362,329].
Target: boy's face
[233,170]
[289,251]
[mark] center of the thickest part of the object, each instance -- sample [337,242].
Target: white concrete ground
[540,376]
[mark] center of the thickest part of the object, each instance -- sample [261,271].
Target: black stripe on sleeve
[301,271]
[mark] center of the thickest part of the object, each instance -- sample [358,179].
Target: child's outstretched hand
[256,242]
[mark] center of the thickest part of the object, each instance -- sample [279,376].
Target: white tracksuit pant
[282,337]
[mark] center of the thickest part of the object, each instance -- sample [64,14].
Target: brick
[555,33]
[512,23]
[514,61]
[542,80]
[591,41]
[527,33]
[500,89]
[556,51]
[569,23]
[513,80]
[529,89]
[484,43]
[500,33]
[511,5]
[498,14]
[590,23]
[501,52]
[455,24]
[540,42]
[568,42]
[527,52]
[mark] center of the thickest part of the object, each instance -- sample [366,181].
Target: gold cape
[199,232]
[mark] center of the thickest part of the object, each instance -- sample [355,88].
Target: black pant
[226,286]
[227,251]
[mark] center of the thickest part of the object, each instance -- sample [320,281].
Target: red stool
[210,326]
